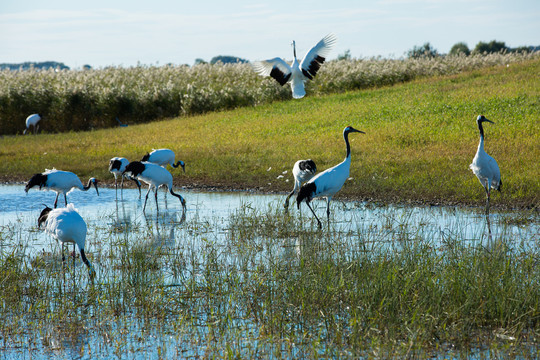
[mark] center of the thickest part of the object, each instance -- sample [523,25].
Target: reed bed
[74,100]
[263,284]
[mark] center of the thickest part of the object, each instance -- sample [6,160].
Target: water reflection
[490,238]
[125,214]
[161,227]
[119,229]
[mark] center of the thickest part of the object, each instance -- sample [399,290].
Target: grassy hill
[420,138]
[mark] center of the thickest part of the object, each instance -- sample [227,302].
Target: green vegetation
[425,50]
[420,138]
[273,285]
[459,48]
[93,99]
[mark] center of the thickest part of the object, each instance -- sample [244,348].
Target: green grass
[420,138]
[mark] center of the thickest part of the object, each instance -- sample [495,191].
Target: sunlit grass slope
[420,139]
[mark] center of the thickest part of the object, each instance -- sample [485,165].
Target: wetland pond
[205,285]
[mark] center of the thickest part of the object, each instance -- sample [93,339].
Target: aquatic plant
[259,283]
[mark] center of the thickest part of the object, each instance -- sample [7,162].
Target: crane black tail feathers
[500,186]
[306,193]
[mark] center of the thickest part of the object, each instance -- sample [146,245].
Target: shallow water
[111,217]
[113,211]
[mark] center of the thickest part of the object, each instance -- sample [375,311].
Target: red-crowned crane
[484,166]
[67,226]
[329,182]
[163,157]
[117,165]
[61,182]
[155,176]
[303,170]
[32,120]
[298,72]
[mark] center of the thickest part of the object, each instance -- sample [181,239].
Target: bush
[460,49]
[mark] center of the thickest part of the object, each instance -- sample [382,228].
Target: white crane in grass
[117,165]
[163,157]
[484,166]
[155,176]
[61,182]
[303,170]
[298,72]
[67,226]
[32,120]
[329,182]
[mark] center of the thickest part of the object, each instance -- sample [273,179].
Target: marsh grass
[262,284]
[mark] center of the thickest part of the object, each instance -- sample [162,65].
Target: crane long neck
[481,144]
[346,137]
[88,185]
[294,49]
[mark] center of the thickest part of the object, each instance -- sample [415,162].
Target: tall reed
[74,100]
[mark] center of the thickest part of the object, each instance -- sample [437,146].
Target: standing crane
[329,182]
[67,226]
[61,182]
[155,176]
[484,166]
[117,165]
[303,170]
[32,120]
[298,72]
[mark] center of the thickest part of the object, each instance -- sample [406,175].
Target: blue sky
[156,32]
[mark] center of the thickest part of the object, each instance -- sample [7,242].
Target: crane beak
[358,131]
[489,121]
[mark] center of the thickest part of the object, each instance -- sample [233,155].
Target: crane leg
[487,200]
[328,210]
[65,198]
[56,200]
[155,196]
[146,199]
[139,186]
[122,188]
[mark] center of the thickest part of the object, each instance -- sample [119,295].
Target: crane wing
[276,68]
[316,56]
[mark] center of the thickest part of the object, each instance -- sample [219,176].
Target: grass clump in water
[262,284]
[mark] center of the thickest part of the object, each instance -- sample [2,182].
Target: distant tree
[87,67]
[199,61]
[491,47]
[345,56]
[35,65]
[460,48]
[425,50]
[522,49]
[227,60]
